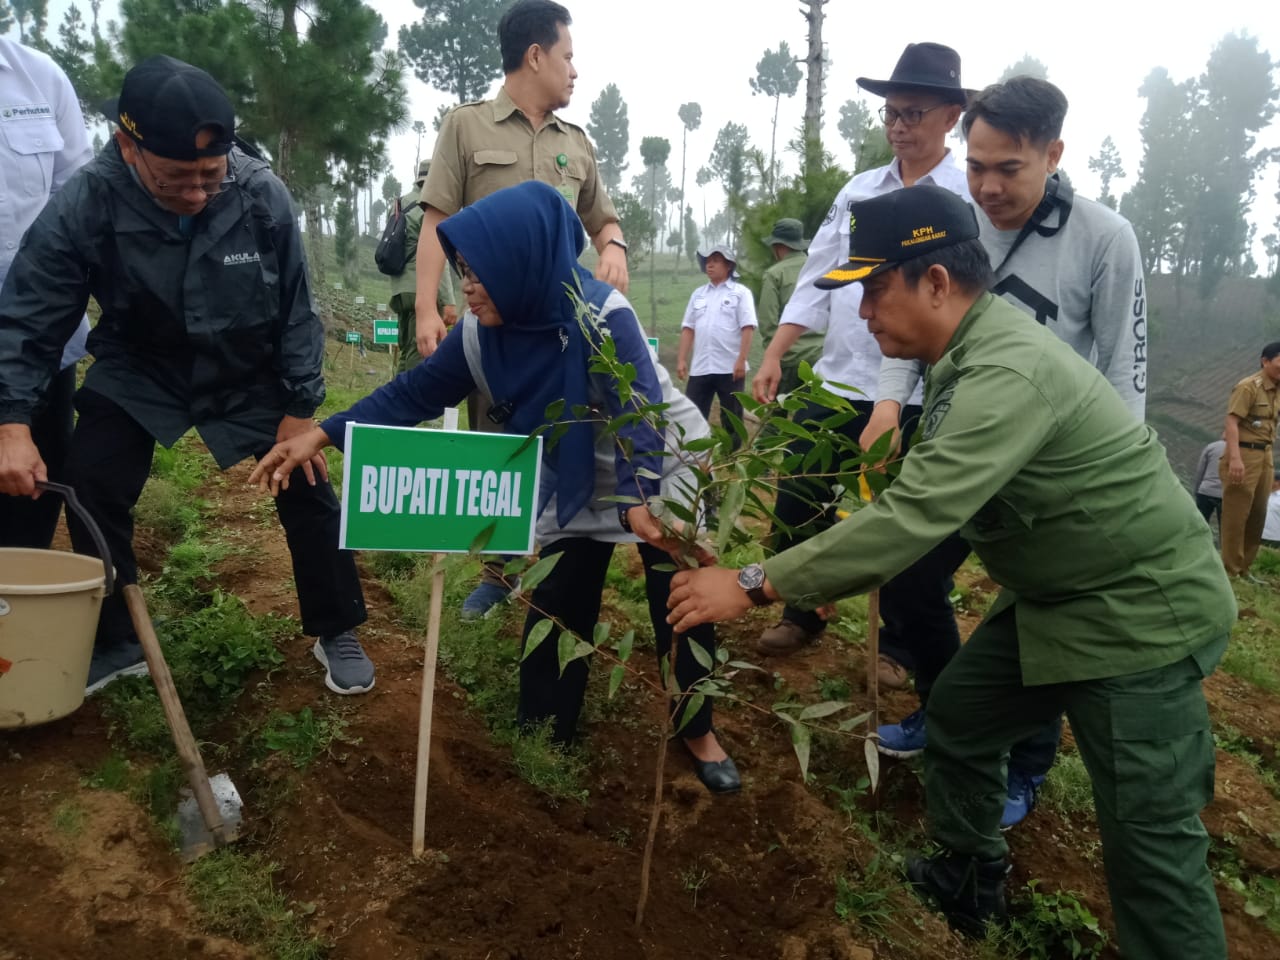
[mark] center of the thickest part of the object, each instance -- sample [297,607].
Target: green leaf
[482,538]
[873,760]
[538,572]
[847,725]
[665,568]
[800,744]
[692,706]
[735,496]
[536,636]
[743,665]
[599,633]
[700,654]
[824,709]
[625,644]
[615,679]
[566,649]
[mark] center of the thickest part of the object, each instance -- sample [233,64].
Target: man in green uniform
[776,287]
[1247,467]
[405,283]
[490,144]
[1112,610]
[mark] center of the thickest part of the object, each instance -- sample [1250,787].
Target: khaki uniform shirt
[1255,402]
[488,145]
[776,287]
[1068,501]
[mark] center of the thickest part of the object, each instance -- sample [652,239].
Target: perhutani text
[438,491]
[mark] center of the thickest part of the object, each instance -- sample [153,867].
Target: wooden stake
[873,691]
[424,711]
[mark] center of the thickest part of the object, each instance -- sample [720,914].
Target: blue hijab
[523,243]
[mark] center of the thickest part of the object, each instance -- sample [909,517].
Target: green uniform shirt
[489,144]
[776,287]
[1069,502]
[404,285]
[1255,402]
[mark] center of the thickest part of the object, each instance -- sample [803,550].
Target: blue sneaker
[905,739]
[1021,798]
[484,598]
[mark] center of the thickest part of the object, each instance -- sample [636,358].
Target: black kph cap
[894,227]
[165,102]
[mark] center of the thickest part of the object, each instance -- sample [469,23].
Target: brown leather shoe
[785,638]
[892,674]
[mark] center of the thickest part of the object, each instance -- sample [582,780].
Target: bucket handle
[73,502]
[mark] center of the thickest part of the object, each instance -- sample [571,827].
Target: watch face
[751,577]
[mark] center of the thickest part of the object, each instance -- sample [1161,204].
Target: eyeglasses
[910,117]
[465,271]
[210,188]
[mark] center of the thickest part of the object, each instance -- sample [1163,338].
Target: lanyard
[1057,193]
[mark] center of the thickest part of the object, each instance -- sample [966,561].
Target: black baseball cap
[165,102]
[892,228]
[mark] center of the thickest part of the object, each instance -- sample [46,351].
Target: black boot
[969,891]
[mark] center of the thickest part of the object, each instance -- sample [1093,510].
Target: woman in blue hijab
[522,344]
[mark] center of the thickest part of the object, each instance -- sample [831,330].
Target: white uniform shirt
[1271,528]
[850,355]
[43,141]
[717,315]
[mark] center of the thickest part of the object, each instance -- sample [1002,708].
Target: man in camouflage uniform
[405,283]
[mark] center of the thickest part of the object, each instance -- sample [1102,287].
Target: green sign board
[653,342]
[386,331]
[406,488]
[353,336]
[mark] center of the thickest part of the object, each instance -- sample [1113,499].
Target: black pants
[30,523]
[799,507]
[571,594]
[705,387]
[928,639]
[108,464]
[1208,506]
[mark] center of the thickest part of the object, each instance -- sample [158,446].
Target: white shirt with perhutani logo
[43,141]
[717,314]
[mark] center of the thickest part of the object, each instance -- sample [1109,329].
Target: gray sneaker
[348,670]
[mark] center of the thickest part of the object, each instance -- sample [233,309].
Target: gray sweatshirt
[1084,283]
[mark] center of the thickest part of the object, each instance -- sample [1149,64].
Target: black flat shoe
[718,776]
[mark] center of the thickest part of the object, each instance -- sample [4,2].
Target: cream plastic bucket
[49,604]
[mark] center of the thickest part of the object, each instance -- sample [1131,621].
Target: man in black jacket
[191,249]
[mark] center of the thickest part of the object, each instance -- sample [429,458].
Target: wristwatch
[617,242]
[751,579]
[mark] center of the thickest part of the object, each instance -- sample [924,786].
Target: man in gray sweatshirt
[1070,264]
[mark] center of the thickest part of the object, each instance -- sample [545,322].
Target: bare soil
[509,874]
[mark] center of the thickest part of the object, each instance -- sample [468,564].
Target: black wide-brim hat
[926,68]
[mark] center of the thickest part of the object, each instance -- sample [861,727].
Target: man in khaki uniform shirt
[1248,465]
[490,144]
[485,146]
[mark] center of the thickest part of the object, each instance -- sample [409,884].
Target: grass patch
[211,653]
[867,903]
[1254,651]
[236,896]
[115,773]
[303,737]
[1068,789]
[69,819]
[1045,926]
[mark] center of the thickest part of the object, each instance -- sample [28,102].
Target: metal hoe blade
[197,840]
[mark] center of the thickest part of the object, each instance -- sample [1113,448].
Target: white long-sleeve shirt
[43,141]
[850,355]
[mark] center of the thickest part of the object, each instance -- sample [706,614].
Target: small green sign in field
[353,336]
[386,331]
[405,488]
[653,342]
